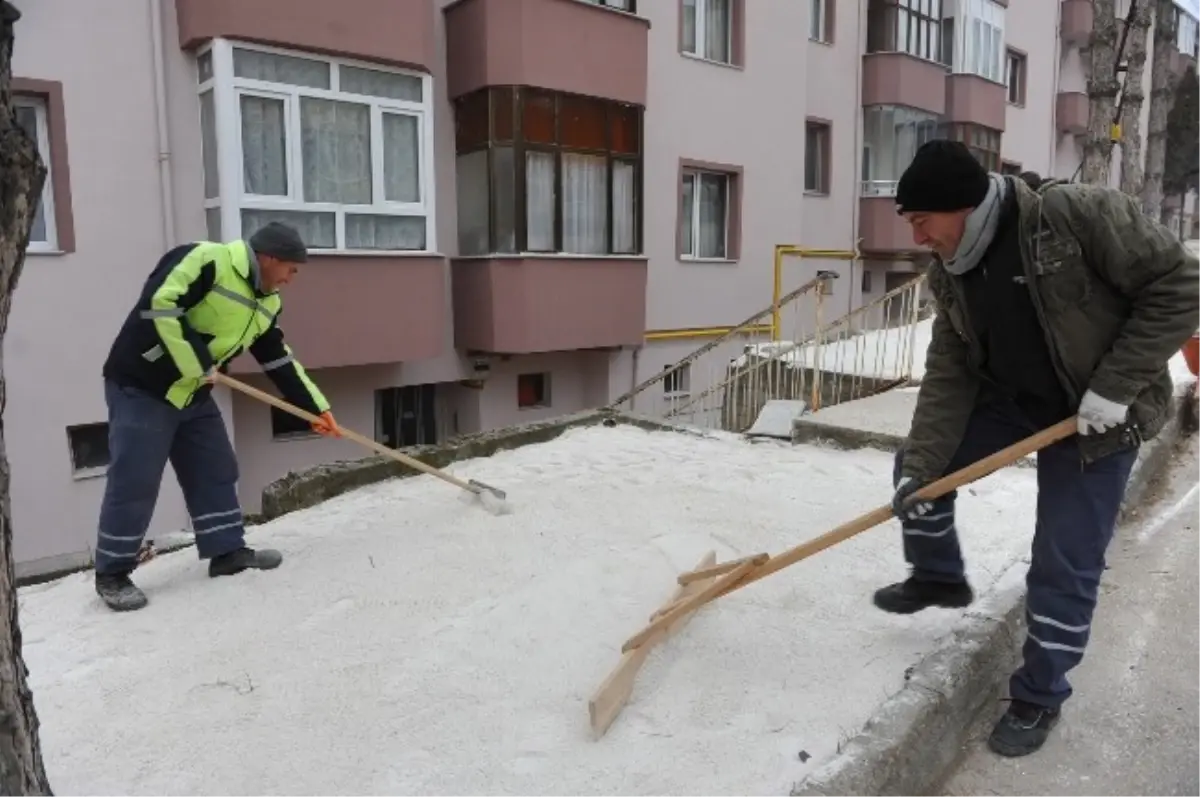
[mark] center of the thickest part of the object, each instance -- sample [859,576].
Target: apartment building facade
[516,209]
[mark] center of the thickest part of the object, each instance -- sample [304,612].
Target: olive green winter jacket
[1117,294]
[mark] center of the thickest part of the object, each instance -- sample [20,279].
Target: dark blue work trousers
[1077,509]
[144,433]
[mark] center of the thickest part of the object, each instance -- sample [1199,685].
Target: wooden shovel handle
[349,434]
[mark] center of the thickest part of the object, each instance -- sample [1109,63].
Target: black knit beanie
[279,240]
[944,176]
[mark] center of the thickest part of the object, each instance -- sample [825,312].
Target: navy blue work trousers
[144,433]
[1077,507]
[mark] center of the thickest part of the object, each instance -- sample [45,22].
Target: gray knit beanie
[279,240]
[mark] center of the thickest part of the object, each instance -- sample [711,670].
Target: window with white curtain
[704,214]
[1186,32]
[547,172]
[891,136]
[32,119]
[335,148]
[708,29]
[979,39]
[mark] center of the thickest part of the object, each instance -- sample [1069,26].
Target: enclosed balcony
[585,48]
[971,99]
[903,79]
[1078,18]
[1071,112]
[523,305]
[550,218]
[881,228]
[365,310]
[904,60]
[399,33]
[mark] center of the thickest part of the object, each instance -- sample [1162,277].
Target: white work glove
[1097,414]
[904,490]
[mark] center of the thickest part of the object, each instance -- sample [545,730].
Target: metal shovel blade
[480,487]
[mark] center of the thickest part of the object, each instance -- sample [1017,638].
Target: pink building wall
[1030,138]
[833,91]
[749,117]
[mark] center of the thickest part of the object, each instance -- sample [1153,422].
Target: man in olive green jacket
[1051,301]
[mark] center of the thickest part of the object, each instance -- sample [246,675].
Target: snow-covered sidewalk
[894,353]
[412,643]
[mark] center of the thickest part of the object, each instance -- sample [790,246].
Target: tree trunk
[1161,97]
[1132,154]
[1102,89]
[22,175]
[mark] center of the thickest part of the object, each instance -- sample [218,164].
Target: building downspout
[633,372]
[1052,165]
[165,182]
[857,157]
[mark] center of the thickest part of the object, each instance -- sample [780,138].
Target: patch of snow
[413,643]
[884,354]
[892,353]
[1180,373]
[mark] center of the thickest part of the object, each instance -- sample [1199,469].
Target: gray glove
[901,507]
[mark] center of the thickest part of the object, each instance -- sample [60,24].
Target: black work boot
[912,595]
[1023,729]
[228,564]
[119,593]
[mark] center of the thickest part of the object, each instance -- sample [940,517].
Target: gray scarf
[980,228]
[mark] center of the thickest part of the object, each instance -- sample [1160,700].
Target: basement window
[677,384]
[285,426]
[89,449]
[533,390]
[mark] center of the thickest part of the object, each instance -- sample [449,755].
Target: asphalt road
[1132,726]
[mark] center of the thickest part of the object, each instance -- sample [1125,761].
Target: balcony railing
[878,187]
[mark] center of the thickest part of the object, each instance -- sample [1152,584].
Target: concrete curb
[847,438]
[843,437]
[303,489]
[916,735]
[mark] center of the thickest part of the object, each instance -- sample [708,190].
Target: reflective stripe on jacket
[200,308]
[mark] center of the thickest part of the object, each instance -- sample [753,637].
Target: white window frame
[691,173]
[929,17]
[902,130]
[701,28]
[682,378]
[989,60]
[824,136]
[231,198]
[818,22]
[41,113]
[1011,57]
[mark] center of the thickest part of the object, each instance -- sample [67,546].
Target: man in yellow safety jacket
[201,307]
